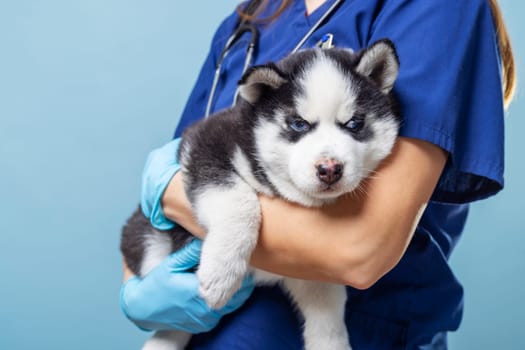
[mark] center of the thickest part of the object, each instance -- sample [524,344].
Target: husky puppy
[308,129]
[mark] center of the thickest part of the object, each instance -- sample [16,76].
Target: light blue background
[87,88]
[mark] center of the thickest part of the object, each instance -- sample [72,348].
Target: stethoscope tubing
[244,27]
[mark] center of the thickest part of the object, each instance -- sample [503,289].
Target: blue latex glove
[161,165]
[168,297]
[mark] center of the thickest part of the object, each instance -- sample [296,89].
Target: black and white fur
[308,129]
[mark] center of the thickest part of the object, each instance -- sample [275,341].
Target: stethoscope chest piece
[326,42]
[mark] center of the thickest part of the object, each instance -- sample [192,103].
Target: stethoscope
[245,26]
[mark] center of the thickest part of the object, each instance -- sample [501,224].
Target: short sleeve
[449,88]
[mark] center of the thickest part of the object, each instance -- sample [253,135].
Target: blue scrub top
[449,88]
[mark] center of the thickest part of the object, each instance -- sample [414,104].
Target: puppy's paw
[332,344]
[217,285]
[167,340]
[160,344]
[326,339]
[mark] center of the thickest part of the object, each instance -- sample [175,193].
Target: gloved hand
[168,297]
[161,165]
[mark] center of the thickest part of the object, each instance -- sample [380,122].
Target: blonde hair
[254,16]
[507,56]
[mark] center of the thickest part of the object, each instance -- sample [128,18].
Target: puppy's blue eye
[299,125]
[356,123]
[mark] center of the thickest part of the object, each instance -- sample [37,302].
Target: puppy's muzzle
[329,171]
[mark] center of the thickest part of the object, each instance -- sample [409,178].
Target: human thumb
[187,257]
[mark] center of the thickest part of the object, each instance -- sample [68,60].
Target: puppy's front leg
[322,306]
[232,217]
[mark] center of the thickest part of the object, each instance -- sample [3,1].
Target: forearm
[345,242]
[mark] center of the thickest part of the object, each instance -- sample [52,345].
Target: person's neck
[312,5]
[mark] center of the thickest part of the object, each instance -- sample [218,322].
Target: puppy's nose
[329,171]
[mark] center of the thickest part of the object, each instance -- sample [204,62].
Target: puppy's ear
[380,63]
[259,80]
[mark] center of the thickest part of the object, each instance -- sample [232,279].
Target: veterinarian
[391,245]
